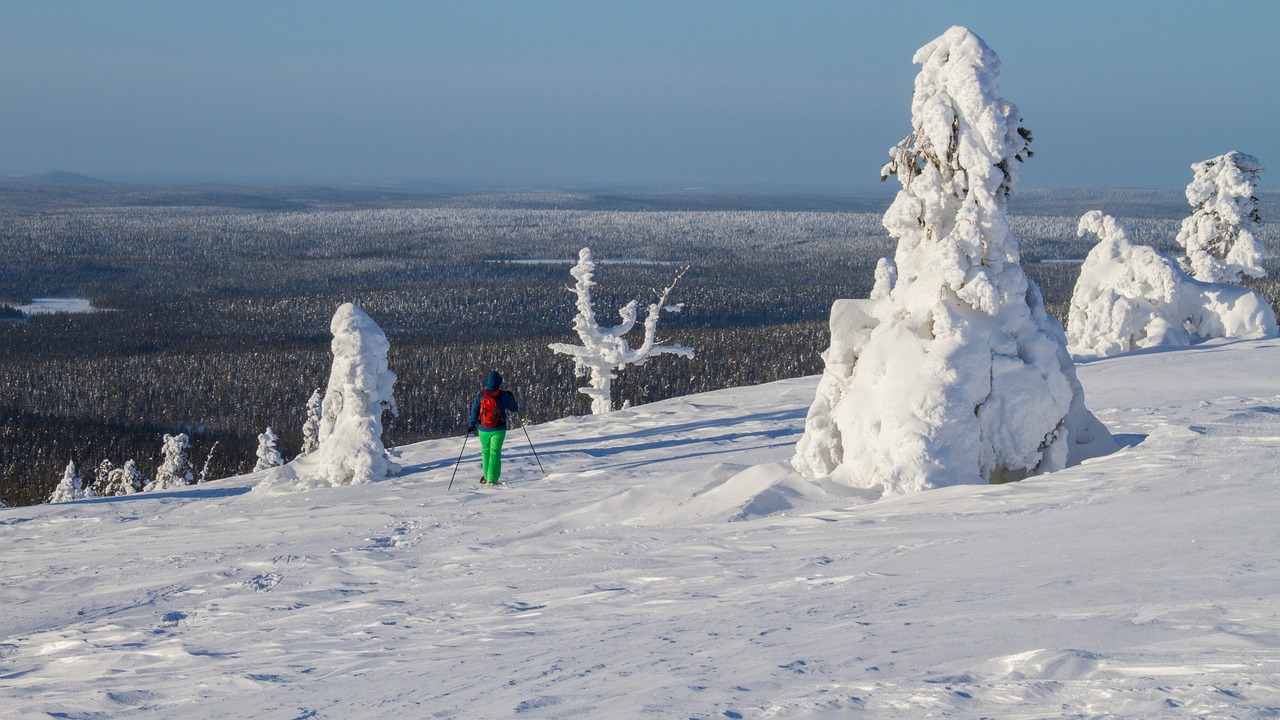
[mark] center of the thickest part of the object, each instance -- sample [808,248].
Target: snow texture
[605,350]
[175,468]
[1221,235]
[360,390]
[673,566]
[952,372]
[1130,297]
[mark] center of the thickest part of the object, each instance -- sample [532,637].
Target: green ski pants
[491,453]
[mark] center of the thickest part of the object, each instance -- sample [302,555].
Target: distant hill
[55,177]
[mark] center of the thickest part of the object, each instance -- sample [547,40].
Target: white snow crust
[673,566]
[1130,297]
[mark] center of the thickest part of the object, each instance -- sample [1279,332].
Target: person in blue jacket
[489,417]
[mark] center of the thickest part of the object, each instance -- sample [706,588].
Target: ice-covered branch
[605,350]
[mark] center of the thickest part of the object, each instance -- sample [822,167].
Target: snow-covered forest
[216,296]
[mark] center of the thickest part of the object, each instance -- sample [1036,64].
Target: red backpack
[490,413]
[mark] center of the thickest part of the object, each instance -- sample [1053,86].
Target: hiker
[489,417]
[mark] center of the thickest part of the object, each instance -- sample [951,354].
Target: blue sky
[803,94]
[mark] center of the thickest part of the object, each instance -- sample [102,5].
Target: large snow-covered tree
[175,467]
[268,454]
[360,390]
[71,487]
[1133,296]
[605,350]
[1220,237]
[953,372]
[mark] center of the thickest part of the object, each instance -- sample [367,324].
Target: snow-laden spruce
[311,428]
[125,480]
[71,487]
[1220,238]
[604,350]
[360,390]
[102,477]
[1133,296]
[175,468]
[952,372]
[268,454]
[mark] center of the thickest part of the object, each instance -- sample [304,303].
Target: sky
[685,93]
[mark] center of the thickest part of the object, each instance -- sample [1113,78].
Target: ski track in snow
[671,566]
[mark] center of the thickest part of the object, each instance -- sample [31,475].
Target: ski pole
[535,452]
[455,465]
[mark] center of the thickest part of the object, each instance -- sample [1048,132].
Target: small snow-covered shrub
[311,428]
[70,488]
[125,480]
[268,454]
[175,467]
[1133,296]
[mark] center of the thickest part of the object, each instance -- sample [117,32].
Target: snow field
[672,566]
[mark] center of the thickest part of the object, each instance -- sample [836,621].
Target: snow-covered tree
[604,350]
[102,477]
[268,454]
[311,428]
[125,480]
[1133,296]
[71,487]
[175,467]
[360,390]
[953,372]
[1220,237]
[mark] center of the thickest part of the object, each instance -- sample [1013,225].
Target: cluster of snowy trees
[952,371]
[173,471]
[1133,296]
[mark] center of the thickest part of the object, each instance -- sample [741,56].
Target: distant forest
[217,301]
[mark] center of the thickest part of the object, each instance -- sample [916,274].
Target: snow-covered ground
[672,566]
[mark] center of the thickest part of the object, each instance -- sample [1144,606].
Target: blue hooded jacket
[506,403]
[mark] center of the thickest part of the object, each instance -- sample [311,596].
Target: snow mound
[724,492]
[1130,297]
